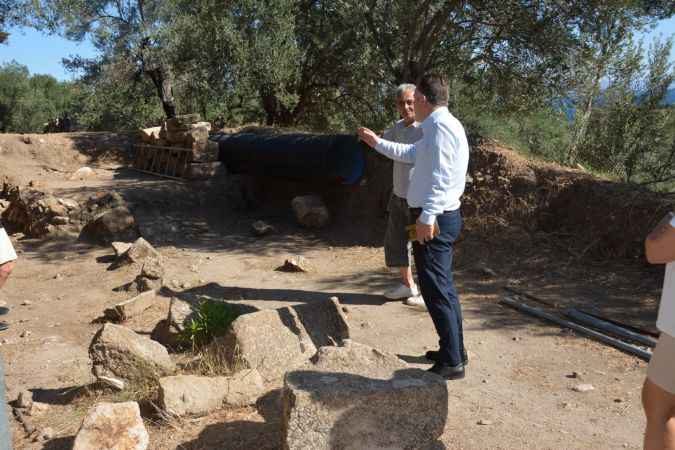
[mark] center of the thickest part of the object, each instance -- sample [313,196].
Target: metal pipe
[608,327]
[633,350]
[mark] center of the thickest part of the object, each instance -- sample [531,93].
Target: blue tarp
[337,158]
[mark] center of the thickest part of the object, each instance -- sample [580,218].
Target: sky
[42,53]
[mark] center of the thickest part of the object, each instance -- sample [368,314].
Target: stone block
[200,171]
[356,397]
[324,320]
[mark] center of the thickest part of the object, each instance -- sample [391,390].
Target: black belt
[418,211]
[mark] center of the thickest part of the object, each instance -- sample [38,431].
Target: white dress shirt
[440,159]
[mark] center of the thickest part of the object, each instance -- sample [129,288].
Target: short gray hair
[405,87]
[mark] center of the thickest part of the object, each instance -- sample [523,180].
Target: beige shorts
[661,369]
[7,252]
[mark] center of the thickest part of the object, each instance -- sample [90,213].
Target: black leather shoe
[3,310]
[432,355]
[447,371]
[3,326]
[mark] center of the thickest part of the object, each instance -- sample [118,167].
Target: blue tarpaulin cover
[337,158]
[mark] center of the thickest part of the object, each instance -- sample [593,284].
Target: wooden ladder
[171,162]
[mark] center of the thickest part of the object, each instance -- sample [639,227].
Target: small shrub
[211,319]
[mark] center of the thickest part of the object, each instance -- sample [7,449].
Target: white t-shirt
[666,319]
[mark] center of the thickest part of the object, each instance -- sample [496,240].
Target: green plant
[211,319]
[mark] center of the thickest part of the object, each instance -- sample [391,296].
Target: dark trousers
[433,261]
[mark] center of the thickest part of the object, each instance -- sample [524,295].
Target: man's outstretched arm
[393,150]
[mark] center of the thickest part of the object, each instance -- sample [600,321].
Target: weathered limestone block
[356,397]
[112,426]
[310,211]
[118,352]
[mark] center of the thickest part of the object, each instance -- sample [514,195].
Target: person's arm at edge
[660,243]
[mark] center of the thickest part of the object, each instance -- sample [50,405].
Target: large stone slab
[118,352]
[272,341]
[112,426]
[197,396]
[355,397]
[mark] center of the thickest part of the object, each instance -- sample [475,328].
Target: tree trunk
[275,112]
[162,83]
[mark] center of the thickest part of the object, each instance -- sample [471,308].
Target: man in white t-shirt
[7,258]
[396,245]
[658,393]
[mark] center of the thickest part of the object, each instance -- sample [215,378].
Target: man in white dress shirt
[440,161]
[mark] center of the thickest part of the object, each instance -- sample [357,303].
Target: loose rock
[261,228]
[117,426]
[132,307]
[310,211]
[25,400]
[583,388]
[295,264]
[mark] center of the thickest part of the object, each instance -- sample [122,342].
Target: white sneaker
[416,301]
[401,291]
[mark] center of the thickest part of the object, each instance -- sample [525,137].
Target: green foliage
[28,102]
[211,319]
[632,135]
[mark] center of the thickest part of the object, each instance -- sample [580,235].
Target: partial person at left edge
[7,261]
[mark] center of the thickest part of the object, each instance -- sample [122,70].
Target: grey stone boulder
[112,426]
[310,211]
[183,395]
[118,352]
[272,341]
[356,397]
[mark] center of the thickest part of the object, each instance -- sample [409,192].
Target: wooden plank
[616,343]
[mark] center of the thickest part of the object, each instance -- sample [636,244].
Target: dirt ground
[518,390]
